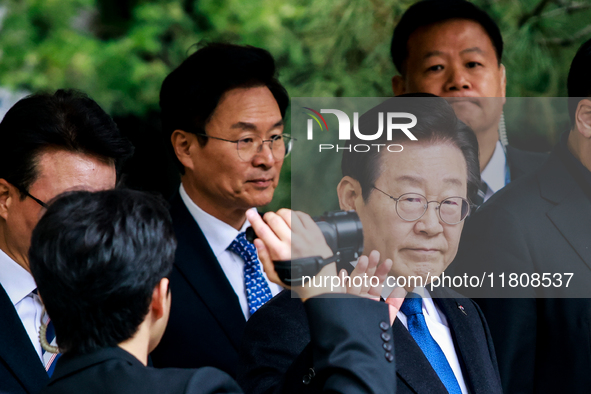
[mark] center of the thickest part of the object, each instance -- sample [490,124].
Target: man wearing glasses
[51,143]
[222,110]
[412,205]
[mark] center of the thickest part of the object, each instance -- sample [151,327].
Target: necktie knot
[243,248]
[412,305]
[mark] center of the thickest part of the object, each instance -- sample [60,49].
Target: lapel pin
[462,309]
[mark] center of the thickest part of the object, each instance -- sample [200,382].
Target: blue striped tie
[257,288]
[412,307]
[49,359]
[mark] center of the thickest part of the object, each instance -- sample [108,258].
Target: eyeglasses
[26,193]
[412,206]
[250,145]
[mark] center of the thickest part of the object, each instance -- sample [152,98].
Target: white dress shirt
[439,330]
[19,284]
[494,174]
[220,235]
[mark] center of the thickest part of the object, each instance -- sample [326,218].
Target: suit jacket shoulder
[523,162]
[21,370]
[113,371]
[206,321]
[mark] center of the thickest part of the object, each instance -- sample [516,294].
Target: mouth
[261,182]
[462,100]
[424,251]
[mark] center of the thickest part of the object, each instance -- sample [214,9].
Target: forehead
[433,167]
[249,105]
[450,37]
[60,170]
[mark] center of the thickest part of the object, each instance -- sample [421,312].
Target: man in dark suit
[222,110]
[412,205]
[540,225]
[453,49]
[101,261]
[51,143]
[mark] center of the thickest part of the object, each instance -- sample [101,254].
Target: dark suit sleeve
[208,380]
[348,335]
[493,241]
[275,337]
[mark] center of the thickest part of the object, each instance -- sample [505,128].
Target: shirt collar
[219,234]
[16,281]
[494,172]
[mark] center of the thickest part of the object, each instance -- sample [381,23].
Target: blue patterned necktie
[257,288]
[412,307]
[49,359]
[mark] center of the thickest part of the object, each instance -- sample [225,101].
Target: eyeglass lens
[251,145]
[412,206]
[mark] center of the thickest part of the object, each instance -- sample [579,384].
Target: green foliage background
[119,51]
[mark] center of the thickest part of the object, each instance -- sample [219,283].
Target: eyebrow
[464,51]
[252,126]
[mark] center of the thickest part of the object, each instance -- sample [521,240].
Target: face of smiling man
[216,178]
[427,245]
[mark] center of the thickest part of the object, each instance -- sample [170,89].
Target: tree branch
[536,12]
[568,40]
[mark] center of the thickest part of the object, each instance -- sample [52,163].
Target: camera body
[343,233]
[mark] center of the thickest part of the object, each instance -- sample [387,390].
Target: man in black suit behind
[222,110]
[50,143]
[453,49]
[541,224]
[412,205]
[101,261]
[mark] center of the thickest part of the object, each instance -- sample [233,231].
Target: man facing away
[222,111]
[51,143]
[453,49]
[101,261]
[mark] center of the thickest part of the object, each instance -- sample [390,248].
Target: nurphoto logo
[345,129]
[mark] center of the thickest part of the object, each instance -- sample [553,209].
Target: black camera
[343,233]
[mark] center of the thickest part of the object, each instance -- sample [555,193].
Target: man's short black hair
[96,258]
[436,123]
[428,12]
[68,120]
[191,93]
[579,79]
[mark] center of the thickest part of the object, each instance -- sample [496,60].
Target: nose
[457,79]
[430,224]
[264,155]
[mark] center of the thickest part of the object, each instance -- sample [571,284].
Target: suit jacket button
[389,357]
[387,346]
[386,337]
[384,326]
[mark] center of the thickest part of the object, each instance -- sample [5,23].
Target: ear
[398,85]
[6,196]
[160,299]
[583,118]
[183,144]
[503,80]
[349,192]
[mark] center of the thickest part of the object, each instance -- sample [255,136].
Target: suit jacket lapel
[411,364]
[16,351]
[475,365]
[197,263]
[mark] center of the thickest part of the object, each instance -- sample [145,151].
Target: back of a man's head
[68,120]
[96,258]
[428,12]
[190,94]
[579,78]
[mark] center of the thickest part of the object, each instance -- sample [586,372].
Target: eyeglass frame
[427,206]
[271,141]
[26,193]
